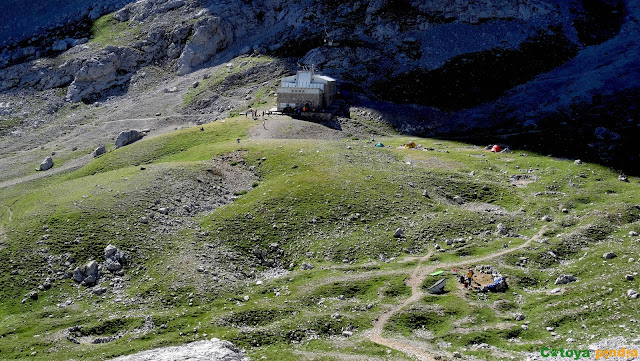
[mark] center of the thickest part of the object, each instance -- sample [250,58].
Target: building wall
[330,91]
[298,100]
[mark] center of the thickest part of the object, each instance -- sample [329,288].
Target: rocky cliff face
[370,43]
[478,60]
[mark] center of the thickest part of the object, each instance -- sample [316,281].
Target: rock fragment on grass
[99,151]
[564,279]
[306,266]
[609,255]
[128,137]
[46,164]
[33,295]
[502,229]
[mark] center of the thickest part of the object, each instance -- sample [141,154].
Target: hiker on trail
[238,140]
[264,124]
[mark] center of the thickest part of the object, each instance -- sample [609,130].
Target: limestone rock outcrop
[87,275]
[211,35]
[128,137]
[115,259]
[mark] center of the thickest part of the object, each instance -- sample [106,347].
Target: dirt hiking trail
[415,281]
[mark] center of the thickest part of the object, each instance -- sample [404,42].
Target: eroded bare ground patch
[484,207]
[181,194]
[109,330]
[522,180]
[217,183]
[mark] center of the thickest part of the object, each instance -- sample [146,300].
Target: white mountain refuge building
[306,90]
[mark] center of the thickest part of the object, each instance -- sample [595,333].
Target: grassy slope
[108,31]
[343,204]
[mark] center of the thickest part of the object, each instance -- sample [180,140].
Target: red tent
[496,148]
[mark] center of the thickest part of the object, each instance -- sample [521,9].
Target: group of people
[467,279]
[254,113]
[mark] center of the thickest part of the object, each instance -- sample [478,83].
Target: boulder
[128,137]
[99,290]
[123,14]
[564,279]
[113,265]
[115,259]
[306,266]
[110,251]
[78,275]
[609,255]
[92,269]
[46,164]
[501,229]
[87,275]
[60,45]
[458,200]
[99,151]
[398,233]
[632,293]
[519,317]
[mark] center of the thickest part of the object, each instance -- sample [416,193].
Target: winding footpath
[415,281]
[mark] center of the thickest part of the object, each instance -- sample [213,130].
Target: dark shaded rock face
[472,79]
[599,20]
[605,132]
